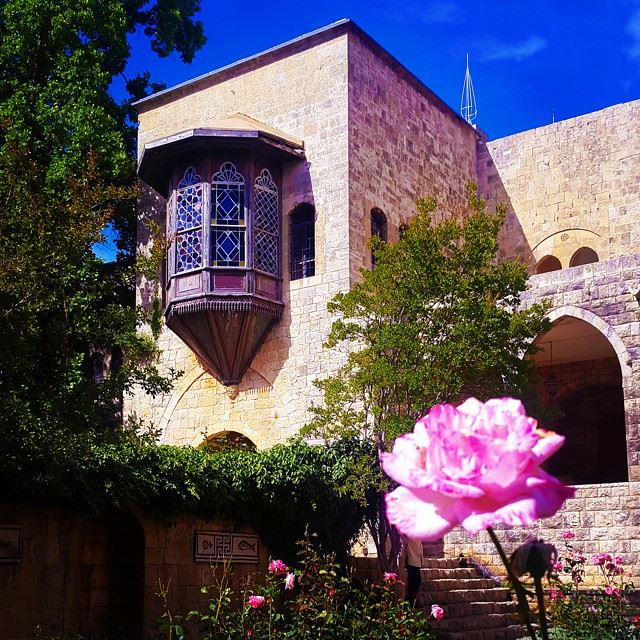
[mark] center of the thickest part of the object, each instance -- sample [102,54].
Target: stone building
[271,174]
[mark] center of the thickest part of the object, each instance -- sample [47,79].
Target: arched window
[228,220]
[378,229]
[584,255]
[265,210]
[303,243]
[548,263]
[189,212]
[227,440]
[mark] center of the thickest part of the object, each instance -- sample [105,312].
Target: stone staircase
[475,607]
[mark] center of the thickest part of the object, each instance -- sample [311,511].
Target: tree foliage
[67,169]
[439,319]
[279,492]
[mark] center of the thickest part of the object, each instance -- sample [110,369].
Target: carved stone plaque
[218,546]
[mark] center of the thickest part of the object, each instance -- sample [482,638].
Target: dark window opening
[584,255]
[378,230]
[303,245]
[595,449]
[548,263]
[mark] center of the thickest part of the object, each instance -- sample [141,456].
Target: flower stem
[523,603]
[541,611]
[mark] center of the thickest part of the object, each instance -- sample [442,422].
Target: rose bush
[475,465]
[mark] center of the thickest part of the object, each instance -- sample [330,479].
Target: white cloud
[434,12]
[492,49]
[442,12]
[633,29]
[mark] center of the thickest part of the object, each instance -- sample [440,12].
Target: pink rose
[390,577]
[475,465]
[290,581]
[600,559]
[277,567]
[255,602]
[568,535]
[610,590]
[437,612]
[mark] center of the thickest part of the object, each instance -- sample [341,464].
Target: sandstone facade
[376,138]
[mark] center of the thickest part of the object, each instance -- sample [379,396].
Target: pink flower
[557,565]
[437,612]
[290,581]
[600,559]
[568,535]
[475,465]
[554,594]
[255,602]
[618,560]
[390,577]
[610,590]
[277,567]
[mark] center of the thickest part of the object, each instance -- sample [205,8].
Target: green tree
[67,169]
[439,319]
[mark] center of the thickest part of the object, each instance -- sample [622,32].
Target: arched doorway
[227,440]
[125,548]
[581,382]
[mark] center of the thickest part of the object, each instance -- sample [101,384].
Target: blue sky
[529,60]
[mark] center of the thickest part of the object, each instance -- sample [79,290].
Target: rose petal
[547,445]
[420,514]
[542,497]
[454,489]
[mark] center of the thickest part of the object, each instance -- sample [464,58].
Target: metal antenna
[468,108]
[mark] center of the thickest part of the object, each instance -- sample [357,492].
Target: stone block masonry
[604,518]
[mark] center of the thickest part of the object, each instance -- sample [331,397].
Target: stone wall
[568,185]
[72,565]
[604,295]
[373,136]
[404,144]
[302,91]
[604,517]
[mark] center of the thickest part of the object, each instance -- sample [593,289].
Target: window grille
[228,220]
[188,222]
[303,249]
[266,228]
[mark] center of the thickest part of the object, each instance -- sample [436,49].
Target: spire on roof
[468,108]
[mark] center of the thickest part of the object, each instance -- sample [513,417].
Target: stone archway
[583,366]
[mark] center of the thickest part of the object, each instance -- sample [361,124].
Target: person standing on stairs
[412,552]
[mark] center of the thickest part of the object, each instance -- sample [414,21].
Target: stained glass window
[265,211]
[188,222]
[228,224]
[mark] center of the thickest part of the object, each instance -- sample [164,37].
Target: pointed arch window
[189,216]
[266,226]
[228,218]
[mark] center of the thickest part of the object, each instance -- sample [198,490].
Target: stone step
[440,563]
[458,573]
[479,622]
[496,594]
[476,607]
[512,632]
[465,609]
[471,584]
